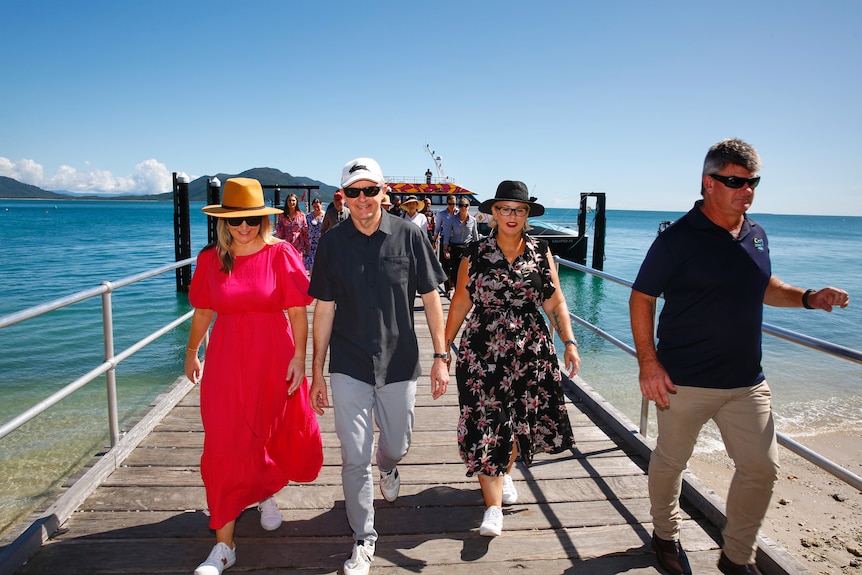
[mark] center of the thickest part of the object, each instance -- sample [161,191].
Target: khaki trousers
[744,417]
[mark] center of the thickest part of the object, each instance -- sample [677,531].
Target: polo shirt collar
[698,220]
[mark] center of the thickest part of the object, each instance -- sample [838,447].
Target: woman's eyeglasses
[369,192]
[250,220]
[507,211]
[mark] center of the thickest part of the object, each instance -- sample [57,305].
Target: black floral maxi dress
[509,380]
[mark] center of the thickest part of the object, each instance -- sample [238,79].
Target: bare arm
[654,380]
[781,294]
[460,305]
[201,321]
[434,317]
[324,314]
[558,312]
[296,368]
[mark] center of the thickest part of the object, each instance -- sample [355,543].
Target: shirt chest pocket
[394,270]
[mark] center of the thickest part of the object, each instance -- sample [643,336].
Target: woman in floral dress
[314,219]
[509,380]
[291,226]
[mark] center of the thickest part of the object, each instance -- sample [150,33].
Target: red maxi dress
[256,437]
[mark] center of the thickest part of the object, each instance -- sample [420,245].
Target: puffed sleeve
[199,290]
[291,276]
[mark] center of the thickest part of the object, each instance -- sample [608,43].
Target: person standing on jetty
[713,267]
[366,275]
[509,380]
[292,226]
[259,429]
[336,212]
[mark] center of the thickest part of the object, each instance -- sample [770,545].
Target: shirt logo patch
[758,243]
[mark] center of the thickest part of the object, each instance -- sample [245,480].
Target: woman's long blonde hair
[225,240]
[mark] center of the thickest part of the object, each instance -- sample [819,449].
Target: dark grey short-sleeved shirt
[373,281]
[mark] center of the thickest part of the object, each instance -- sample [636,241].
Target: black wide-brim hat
[513,191]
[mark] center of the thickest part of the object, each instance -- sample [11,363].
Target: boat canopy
[425,188]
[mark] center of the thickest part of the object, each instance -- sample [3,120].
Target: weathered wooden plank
[293,552]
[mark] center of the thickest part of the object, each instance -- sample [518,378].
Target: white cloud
[149,177]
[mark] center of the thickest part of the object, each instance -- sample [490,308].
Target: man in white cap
[367,272]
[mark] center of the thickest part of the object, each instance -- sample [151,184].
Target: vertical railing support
[111,374]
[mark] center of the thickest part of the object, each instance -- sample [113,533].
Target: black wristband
[805,303]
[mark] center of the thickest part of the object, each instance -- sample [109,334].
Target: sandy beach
[813,515]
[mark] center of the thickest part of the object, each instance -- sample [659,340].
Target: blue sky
[622,97]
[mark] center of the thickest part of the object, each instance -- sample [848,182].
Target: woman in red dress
[259,430]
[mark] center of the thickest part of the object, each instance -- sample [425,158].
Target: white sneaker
[270,516]
[390,484]
[220,558]
[360,562]
[510,494]
[492,522]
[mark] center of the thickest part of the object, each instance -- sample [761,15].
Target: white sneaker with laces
[510,494]
[390,484]
[220,558]
[492,522]
[270,516]
[360,562]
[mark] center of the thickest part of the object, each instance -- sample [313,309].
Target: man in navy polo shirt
[712,265]
[367,272]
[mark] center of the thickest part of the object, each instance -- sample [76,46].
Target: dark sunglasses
[464,206]
[736,182]
[250,220]
[369,192]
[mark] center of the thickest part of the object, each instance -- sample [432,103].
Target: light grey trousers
[744,417]
[355,403]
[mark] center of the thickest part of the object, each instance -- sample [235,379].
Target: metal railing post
[111,374]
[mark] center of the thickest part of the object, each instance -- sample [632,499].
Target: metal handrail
[814,343]
[108,367]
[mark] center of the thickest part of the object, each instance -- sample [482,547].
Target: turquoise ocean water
[53,249]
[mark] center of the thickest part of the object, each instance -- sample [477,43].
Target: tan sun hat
[386,202]
[420,204]
[240,197]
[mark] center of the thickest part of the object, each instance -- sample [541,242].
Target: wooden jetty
[584,511]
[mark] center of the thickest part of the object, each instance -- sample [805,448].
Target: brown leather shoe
[670,556]
[728,567]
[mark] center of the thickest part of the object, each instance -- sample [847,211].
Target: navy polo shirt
[373,281]
[709,329]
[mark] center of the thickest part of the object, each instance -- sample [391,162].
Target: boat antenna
[438,162]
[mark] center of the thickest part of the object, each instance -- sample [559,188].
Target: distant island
[11,189]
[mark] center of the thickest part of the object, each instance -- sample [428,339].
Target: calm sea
[53,249]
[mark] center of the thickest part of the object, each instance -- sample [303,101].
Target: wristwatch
[447,357]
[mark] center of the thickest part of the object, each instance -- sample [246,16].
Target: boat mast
[438,162]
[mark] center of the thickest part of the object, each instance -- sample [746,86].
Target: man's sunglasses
[736,182]
[369,192]
[250,220]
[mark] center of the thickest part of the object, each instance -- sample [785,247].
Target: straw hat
[513,191]
[240,197]
[420,204]
[386,202]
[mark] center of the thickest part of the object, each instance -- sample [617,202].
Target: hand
[656,384]
[317,394]
[193,368]
[439,378]
[295,374]
[572,360]
[827,297]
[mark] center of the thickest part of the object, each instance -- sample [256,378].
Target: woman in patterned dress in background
[314,219]
[291,226]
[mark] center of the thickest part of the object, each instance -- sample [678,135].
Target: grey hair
[730,151]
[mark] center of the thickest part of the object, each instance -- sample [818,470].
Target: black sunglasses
[369,192]
[250,220]
[736,182]
[464,205]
